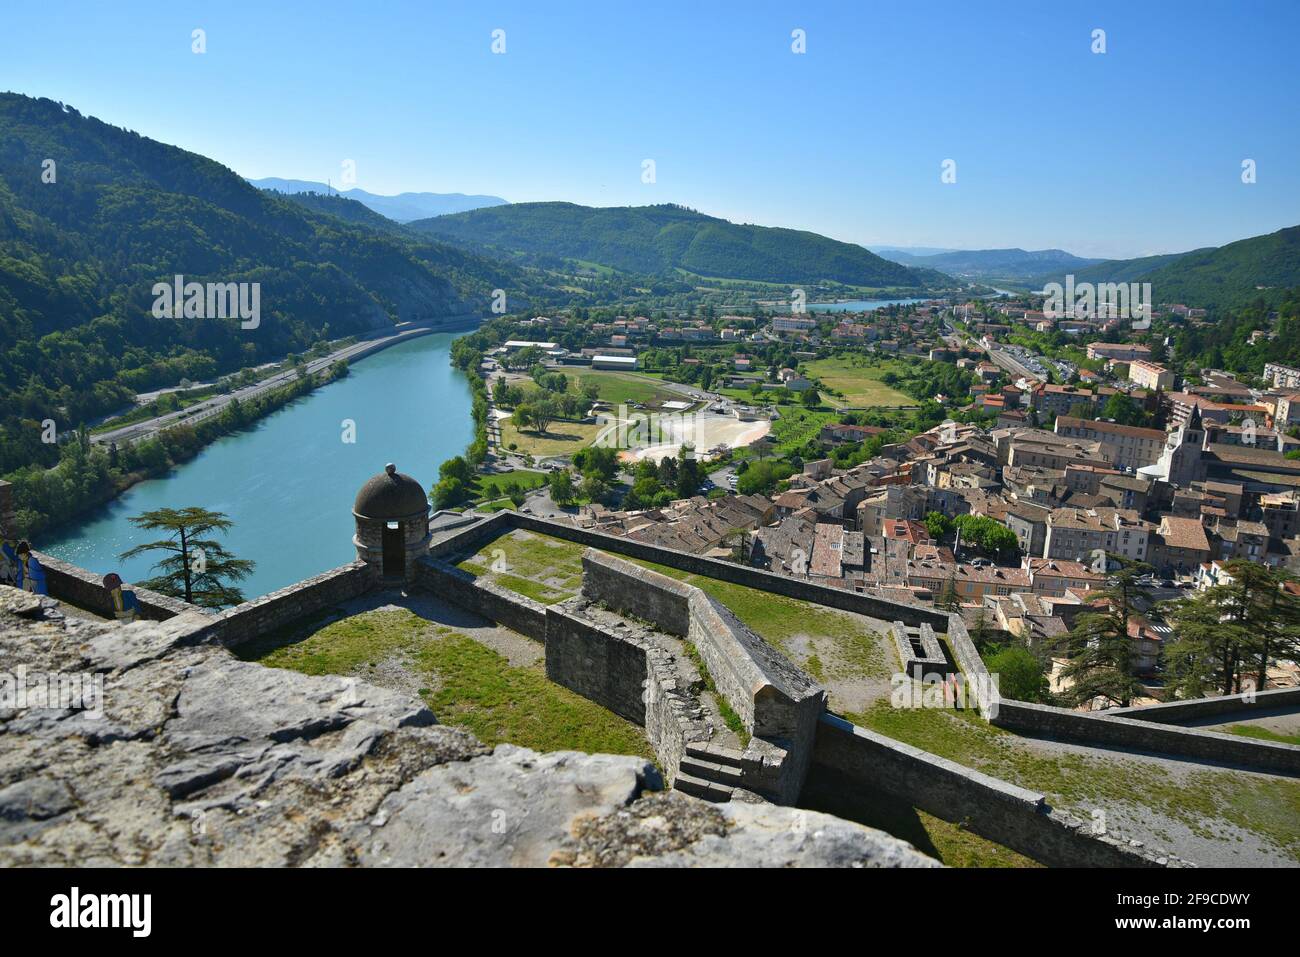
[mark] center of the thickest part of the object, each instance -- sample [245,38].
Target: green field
[628,388]
[468,684]
[490,490]
[858,378]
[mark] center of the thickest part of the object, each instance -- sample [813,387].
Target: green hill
[79,257]
[1220,277]
[1259,267]
[1110,270]
[657,240]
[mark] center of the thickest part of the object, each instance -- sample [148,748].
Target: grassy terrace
[547,570]
[1199,798]
[462,681]
[1263,734]
[794,627]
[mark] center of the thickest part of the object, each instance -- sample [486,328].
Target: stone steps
[723,774]
[716,754]
[700,788]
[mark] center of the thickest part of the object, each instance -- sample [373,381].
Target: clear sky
[1131,152]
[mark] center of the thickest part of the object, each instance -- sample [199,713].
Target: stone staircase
[710,772]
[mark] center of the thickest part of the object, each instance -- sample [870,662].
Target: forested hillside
[654,240]
[83,241]
[1220,278]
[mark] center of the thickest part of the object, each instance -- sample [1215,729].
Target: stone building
[392,521]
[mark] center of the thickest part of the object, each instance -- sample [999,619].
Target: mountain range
[401,208]
[667,239]
[992,265]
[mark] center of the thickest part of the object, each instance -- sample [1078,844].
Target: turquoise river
[288,481]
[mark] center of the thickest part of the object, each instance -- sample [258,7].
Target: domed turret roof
[390,495]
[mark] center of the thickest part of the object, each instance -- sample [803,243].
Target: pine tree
[196,569]
[1101,651]
[1229,628]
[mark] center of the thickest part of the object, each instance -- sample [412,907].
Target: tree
[562,490]
[1101,651]
[761,478]
[457,468]
[987,534]
[541,414]
[949,600]
[1124,410]
[1226,629]
[741,544]
[810,399]
[594,488]
[1020,674]
[939,526]
[196,568]
[690,472]
[449,492]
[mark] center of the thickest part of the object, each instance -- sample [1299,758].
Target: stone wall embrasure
[638,592]
[775,701]
[608,669]
[630,677]
[979,685]
[929,661]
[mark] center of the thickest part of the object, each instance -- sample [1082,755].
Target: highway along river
[288,481]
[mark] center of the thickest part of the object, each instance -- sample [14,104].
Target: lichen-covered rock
[197,758]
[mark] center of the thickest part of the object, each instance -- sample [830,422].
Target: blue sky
[1134,151]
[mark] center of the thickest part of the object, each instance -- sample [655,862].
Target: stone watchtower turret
[392,516]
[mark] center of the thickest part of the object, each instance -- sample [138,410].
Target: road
[138,431]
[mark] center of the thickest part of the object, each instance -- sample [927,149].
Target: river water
[288,481]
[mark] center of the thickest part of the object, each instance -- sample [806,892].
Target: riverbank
[92,475]
[133,432]
[287,481]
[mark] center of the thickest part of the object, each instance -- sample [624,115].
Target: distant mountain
[79,257]
[1112,270]
[912,251]
[1011,265]
[403,207]
[1260,267]
[657,240]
